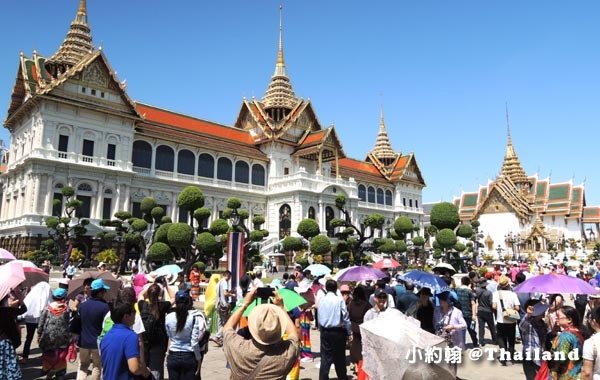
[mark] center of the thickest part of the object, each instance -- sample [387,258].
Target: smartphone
[265,292]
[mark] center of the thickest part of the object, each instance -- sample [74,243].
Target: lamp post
[499,250]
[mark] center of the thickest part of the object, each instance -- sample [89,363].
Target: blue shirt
[118,345]
[92,316]
[188,339]
[332,312]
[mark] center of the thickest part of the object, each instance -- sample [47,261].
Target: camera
[264,293]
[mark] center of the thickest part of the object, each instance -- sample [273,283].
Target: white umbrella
[388,343]
[37,299]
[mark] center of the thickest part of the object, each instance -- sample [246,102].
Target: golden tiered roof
[383,149]
[511,167]
[78,42]
[280,93]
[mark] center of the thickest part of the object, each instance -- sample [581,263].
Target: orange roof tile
[314,137]
[157,115]
[359,166]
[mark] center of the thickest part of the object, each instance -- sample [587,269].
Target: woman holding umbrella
[357,309]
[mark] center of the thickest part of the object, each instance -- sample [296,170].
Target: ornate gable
[505,197]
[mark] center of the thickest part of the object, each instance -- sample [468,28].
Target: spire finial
[507,124]
[280,92]
[78,42]
[381,118]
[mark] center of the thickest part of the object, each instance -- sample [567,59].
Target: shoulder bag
[511,314]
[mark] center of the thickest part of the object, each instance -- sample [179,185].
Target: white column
[117,203]
[153,161]
[27,198]
[49,195]
[174,208]
[321,216]
[175,163]
[99,198]
[127,198]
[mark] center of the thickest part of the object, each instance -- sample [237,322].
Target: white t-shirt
[510,300]
[591,349]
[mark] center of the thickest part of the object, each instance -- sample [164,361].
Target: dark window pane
[224,169]
[380,196]
[136,209]
[88,148]
[329,215]
[388,197]
[362,192]
[106,208]
[416,203]
[86,206]
[404,202]
[410,202]
[183,216]
[185,162]
[57,210]
[242,172]
[142,154]
[111,152]
[63,143]
[311,213]
[371,194]
[165,158]
[258,175]
[206,166]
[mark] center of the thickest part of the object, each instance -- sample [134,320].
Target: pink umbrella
[5,255]
[34,276]
[26,263]
[11,275]
[386,263]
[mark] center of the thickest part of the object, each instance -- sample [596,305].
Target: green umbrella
[291,300]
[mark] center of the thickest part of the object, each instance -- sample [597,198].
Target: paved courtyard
[214,365]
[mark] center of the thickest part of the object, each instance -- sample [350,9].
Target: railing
[315,182]
[400,208]
[75,158]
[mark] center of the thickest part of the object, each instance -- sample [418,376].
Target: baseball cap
[182,295]
[59,293]
[539,308]
[99,284]
[100,265]
[380,293]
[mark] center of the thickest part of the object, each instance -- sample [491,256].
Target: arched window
[362,193]
[285,221]
[185,162]
[371,194]
[388,197]
[206,165]
[379,196]
[84,187]
[165,158]
[311,213]
[224,169]
[242,172]
[258,175]
[142,154]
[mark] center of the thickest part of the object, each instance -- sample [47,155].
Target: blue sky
[442,69]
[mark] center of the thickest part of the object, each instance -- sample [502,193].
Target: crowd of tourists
[151,323]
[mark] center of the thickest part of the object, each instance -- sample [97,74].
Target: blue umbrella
[318,270]
[426,280]
[166,270]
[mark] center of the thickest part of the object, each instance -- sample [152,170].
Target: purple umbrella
[361,273]
[555,283]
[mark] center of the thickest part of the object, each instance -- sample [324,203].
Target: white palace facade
[72,123]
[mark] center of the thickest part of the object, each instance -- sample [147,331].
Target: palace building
[521,213]
[72,123]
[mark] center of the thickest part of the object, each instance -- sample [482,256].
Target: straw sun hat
[267,323]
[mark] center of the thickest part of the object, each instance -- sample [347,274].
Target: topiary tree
[355,235]
[291,243]
[320,245]
[191,199]
[446,239]
[65,229]
[418,243]
[159,252]
[460,247]
[403,226]
[465,231]
[444,215]
[388,247]
[308,228]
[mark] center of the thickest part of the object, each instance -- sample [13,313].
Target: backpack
[203,341]
[154,330]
